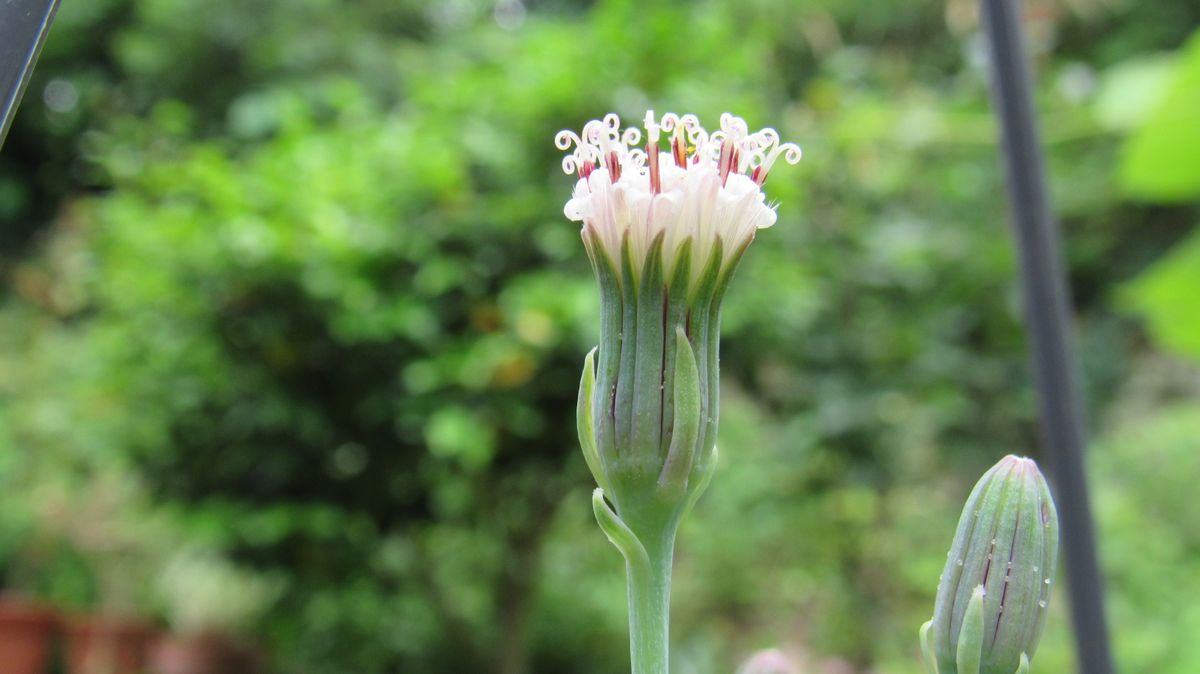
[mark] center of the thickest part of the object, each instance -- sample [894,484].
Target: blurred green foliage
[295,276]
[1160,571]
[1161,163]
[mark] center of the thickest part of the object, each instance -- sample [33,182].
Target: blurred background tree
[296,274]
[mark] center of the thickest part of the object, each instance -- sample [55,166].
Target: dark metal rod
[24,25]
[1047,312]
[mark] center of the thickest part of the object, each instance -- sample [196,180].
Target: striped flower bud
[664,229]
[993,594]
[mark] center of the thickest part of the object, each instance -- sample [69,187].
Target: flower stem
[649,605]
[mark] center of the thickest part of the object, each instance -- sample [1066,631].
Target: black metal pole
[1047,312]
[24,25]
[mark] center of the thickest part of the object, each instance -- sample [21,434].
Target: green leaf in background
[1133,89]
[1166,296]
[1161,160]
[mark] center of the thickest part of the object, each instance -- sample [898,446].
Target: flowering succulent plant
[665,229]
[993,594]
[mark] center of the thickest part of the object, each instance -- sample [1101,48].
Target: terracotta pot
[105,645]
[25,632]
[202,654]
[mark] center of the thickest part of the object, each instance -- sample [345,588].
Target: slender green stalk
[647,572]
[649,609]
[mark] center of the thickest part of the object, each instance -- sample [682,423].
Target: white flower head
[706,189]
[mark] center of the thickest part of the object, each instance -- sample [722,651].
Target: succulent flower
[664,229]
[993,594]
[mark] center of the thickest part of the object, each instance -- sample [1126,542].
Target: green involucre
[994,592]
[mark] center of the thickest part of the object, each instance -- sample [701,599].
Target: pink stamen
[652,159]
[726,159]
[614,166]
[679,149]
[586,168]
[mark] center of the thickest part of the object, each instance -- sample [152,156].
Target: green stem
[646,538]
[650,605]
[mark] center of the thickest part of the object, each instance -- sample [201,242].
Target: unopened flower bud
[993,594]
